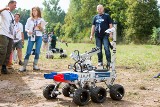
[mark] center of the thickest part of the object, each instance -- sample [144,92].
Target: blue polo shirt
[101,23]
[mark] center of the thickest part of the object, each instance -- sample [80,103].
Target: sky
[28,4]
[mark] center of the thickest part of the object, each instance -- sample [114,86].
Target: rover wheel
[117,92]
[98,94]
[47,92]
[81,97]
[66,90]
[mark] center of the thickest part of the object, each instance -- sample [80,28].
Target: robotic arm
[83,61]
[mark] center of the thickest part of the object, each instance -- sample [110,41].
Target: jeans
[103,40]
[6,44]
[38,43]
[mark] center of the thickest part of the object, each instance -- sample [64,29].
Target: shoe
[100,64]
[35,67]
[158,76]
[108,66]
[20,63]
[22,69]
[4,69]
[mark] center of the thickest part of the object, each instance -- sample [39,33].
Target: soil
[25,89]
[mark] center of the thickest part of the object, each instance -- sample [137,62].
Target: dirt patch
[25,89]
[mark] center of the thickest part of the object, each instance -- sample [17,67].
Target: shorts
[18,45]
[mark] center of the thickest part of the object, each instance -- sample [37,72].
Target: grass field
[135,65]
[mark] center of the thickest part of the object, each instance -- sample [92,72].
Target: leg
[38,46]
[3,48]
[99,44]
[106,48]
[29,48]
[19,51]
[8,51]
[37,52]
[28,53]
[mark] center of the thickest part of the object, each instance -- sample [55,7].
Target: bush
[155,37]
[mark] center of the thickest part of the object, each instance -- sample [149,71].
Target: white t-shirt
[31,23]
[18,30]
[7,23]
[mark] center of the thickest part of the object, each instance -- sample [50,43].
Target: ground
[25,89]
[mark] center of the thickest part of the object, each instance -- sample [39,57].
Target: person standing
[6,34]
[18,37]
[53,40]
[34,29]
[102,22]
[45,41]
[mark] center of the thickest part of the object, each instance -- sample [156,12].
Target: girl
[34,29]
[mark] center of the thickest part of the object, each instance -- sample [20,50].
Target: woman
[34,29]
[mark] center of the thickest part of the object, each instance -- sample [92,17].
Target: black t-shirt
[101,23]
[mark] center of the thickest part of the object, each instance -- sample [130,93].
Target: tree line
[138,21]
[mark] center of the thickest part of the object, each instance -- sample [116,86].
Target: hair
[17,14]
[38,12]
[11,2]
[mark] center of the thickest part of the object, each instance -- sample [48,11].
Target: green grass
[141,57]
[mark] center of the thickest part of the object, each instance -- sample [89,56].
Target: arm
[22,34]
[27,27]
[92,31]
[6,8]
[93,28]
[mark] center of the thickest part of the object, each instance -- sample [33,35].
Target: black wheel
[98,94]
[47,92]
[81,97]
[117,92]
[66,90]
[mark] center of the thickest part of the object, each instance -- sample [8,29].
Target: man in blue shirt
[102,22]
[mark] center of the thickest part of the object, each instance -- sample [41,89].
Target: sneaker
[100,64]
[20,63]
[22,69]
[4,70]
[158,76]
[108,66]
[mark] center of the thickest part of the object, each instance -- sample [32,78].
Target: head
[12,5]
[36,12]
[100,9]
[17,17]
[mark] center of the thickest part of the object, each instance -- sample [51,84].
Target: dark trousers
[103,40]
[6,44]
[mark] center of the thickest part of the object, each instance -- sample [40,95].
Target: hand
[91,37]
[23,42]
[30,33]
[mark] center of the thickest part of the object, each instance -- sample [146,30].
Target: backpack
[45,38]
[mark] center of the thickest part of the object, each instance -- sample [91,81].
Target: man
[18,37]
[102,22]
[6,34]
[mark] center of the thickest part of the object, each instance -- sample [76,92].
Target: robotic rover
[80,81]
[50,53]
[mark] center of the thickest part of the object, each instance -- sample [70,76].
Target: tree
[78,20]
[53,14]
[142,16]
[117,10]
